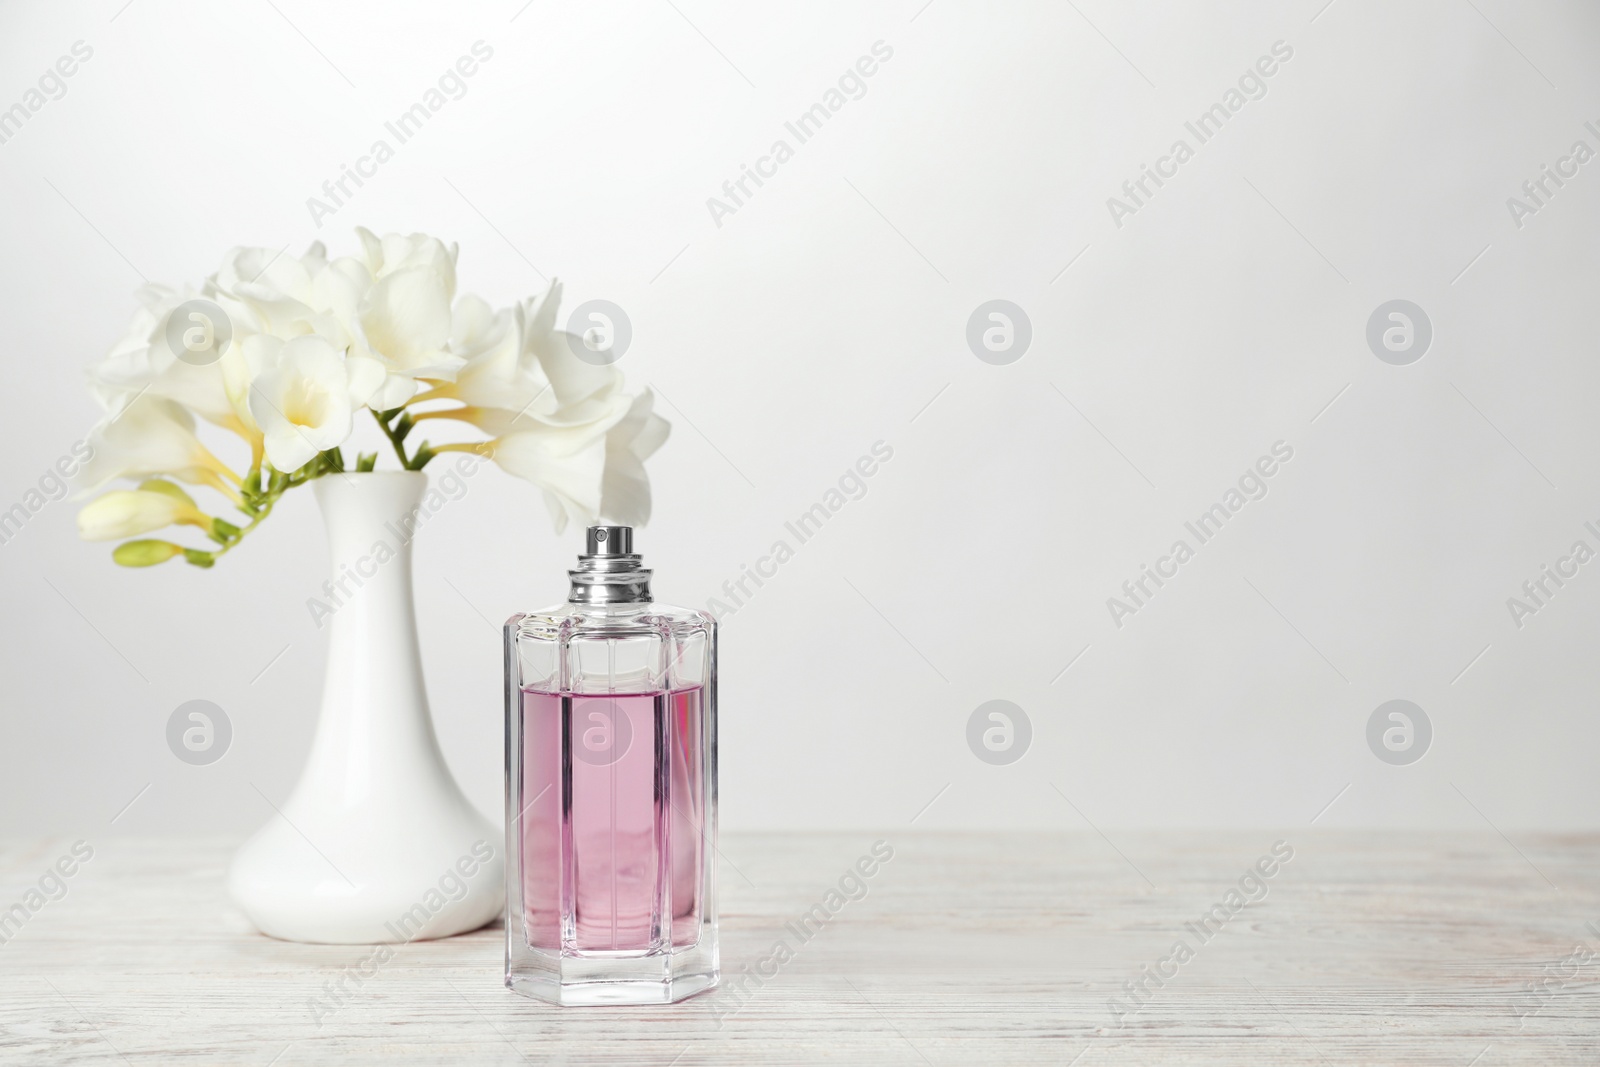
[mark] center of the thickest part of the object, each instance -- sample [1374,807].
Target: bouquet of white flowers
[285,353]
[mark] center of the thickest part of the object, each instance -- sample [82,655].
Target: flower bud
[159,485]
[130,512]
[145,553]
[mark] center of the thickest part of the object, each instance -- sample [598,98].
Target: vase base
[361,895]
[331,930]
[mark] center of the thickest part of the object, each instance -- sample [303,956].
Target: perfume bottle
[611,790]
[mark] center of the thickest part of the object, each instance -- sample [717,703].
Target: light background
[829,312]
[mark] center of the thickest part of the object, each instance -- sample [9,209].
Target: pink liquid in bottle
[613,822]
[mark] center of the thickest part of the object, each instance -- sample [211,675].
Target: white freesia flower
[273,287]
[305,398]
[559,422]
[568,463]
[283,296]
[625,488]
[405,315]
[394,252]
[582,390]
[588,470]
[496,384]
[131,512]
[248,360]
[492,373]
[542,380]
[153,435]
[314,340]
[142,363]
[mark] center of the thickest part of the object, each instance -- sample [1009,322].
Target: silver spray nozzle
[609,541]
[608,572]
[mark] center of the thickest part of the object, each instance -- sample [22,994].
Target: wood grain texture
[966,949]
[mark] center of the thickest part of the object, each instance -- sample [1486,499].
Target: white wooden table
[967,949]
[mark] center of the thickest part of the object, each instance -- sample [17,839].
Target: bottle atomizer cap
[610,541]
[609,572]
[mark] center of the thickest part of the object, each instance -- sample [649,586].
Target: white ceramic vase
[376,843]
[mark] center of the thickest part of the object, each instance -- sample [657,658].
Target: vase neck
[371,519]
[374,673]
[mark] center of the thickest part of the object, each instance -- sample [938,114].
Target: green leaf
[404,426]
[227,531]
[366,461]
[166,488]
[197,557]
[145,553]
[423,454]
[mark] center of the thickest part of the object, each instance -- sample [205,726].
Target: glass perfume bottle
[611,790]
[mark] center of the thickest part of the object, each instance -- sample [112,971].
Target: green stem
[263,509]
[396,424]
[261,500]
[395,438]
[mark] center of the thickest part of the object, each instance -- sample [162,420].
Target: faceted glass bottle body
[611,804]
